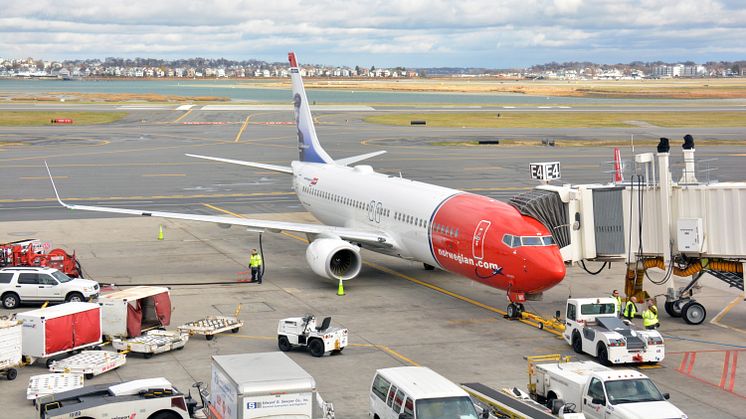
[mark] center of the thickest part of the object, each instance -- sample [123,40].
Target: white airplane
[471,235]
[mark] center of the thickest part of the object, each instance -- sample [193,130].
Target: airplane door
[477,244]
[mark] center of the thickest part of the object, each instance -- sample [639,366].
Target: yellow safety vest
[649,317]
[630,310]
[255,261]
[618,302]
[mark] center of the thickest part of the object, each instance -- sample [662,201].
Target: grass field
[566,119]
[36,118]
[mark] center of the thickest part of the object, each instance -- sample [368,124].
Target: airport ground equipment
[685,226]
[262,385]
[10,348]
[147,398]
[212,325]
[24,284]
[46,384]
[595,390]
[514,404]
[593,326]
[305,333]
[58,330]
[32,252]
[130,312]
[89,363]
[152,342]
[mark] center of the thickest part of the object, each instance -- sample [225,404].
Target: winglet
[291,58]
[55,187]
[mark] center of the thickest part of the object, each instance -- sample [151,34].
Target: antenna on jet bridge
[400,173]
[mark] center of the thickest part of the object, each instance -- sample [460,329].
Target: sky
[410,33]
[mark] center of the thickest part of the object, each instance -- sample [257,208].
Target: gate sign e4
[545,171]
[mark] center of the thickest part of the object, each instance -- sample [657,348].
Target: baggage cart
[151,343]
[44,384]
[10,348]
[212,325]
[61,329]
[130,312]
[89,363]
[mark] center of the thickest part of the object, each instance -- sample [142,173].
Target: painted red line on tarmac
[683,361]
[733,372]
[691,362]
[703,351]
[726,365]
[273,123]
[713,385]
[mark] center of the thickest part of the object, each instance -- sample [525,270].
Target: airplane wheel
[513,311]
[694,313]
[673,308]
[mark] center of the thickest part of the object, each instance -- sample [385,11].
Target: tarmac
[397,313]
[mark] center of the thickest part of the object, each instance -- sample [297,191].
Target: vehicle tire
[337,351]
[11,374]
[556,406]
[235,330]
[693,313]
[316,348]
[602,354]
[513,311]
[49,362]
[89,376]
[673,308]
[284,344]
[74,297]
[164,415]
[11,300]
[209,337]
[577,342]
[147,355]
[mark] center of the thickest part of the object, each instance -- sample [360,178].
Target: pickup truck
[593,326]
[598,392]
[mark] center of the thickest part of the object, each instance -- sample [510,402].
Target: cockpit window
[508,240]
[531,241]
[548,240]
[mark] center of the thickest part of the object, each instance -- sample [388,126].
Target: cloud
[376,32]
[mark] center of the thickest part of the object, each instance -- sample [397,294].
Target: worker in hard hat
[650,315]
[630,310]
[255,265]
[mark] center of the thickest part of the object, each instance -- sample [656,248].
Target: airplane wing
[273,167]
[377,238]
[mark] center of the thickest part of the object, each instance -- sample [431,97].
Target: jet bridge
[685,228]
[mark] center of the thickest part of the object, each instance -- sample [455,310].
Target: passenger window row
[443,229]
[411,219]
[345,201]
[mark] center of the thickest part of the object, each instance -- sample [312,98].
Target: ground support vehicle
[263,385]
[35,284]
[152,342]
[56,330]
[130,312]
[596,391]
[10,348]
[32,252]
[212,325]
[89,363]
[504,403]
[303,332]
[151,398]
[593,326]
[45,384]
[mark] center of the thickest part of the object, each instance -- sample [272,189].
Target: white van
[417,393]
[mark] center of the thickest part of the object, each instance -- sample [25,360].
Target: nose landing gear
[514,310]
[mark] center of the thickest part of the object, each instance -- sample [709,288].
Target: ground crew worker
[650,316]
[255,264]
[630,310]
[618,299]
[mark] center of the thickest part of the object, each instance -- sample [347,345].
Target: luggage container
[60,329]
[130,312]
[89,363]
[10,348]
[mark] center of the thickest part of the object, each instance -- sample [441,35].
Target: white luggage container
[130,312]
[44,384]
[60,329]
[89,363]
[151,343]
[10,348]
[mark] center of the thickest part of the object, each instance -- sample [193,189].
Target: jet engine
[334,258]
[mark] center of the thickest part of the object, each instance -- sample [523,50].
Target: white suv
[29,284]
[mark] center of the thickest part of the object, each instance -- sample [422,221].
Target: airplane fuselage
[471,235]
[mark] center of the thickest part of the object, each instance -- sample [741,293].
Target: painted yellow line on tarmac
[149,197]
[723,312]
[182,116]
[415,280]
[163,174]
[41,177]
[243,127]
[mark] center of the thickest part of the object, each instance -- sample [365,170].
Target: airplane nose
[550,269]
